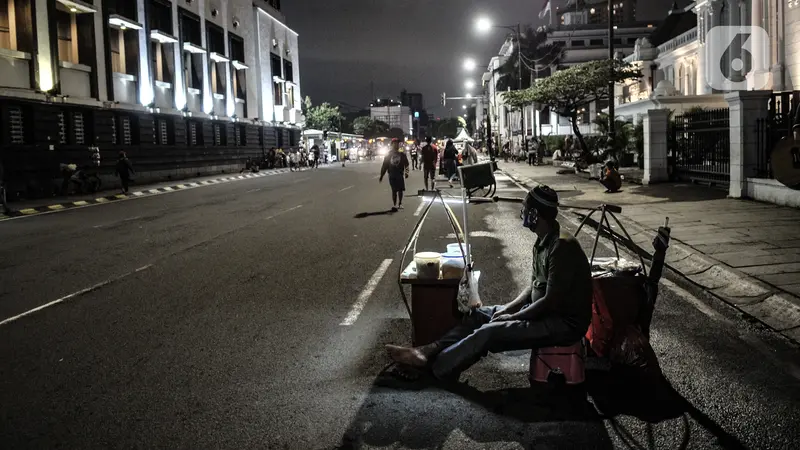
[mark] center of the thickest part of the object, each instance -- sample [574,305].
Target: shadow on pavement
[364,215]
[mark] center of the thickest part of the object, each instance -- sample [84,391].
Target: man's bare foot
[413,357]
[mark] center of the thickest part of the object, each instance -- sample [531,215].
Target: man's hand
[502,318]
[380,180]
[501,311]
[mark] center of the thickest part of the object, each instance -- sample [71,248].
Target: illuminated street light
[468,95]
[483,24]
[464,107]
[469,84]
[470,64]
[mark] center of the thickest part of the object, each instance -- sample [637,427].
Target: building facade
[393,113]
[184,86]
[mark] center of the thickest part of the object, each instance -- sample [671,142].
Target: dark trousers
[126,181]
[467,343]
[414,163]
[531,159]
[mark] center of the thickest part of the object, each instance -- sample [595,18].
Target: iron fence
[776,126]
[699,146]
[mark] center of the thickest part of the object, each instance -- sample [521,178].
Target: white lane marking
[361,301]
[301,179]
[344,189]
[283,212]
[421,206]
[252,190]
[482,234]
[73,295]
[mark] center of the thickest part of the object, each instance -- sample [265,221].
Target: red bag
[616,302]
[601,330]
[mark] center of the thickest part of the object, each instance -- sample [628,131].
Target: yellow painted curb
[81,203]
[55,207]
[28,211]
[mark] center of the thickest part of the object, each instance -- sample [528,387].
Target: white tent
[463,137]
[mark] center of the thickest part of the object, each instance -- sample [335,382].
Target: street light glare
[469,84]
[483,24]
[464,107]
[470,64]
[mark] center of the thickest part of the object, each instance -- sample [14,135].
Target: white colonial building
[216,81]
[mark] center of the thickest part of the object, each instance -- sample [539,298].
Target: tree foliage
[536,53]
[324,117]
[397,133]
[624,138]
[445,128]
[369,127]
[568,90]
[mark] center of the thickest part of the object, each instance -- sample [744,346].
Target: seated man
[554,311]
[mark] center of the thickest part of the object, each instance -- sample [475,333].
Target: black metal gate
[776,126]
[699,145]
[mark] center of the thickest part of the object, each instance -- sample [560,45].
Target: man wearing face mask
[555,310]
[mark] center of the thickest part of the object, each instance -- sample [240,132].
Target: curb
[776,309]
[28,212]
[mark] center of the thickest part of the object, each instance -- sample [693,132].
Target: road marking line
[348,187]
[252,190]
[71,296]
[358,306]
[301,179]
[118,221]
[419,209]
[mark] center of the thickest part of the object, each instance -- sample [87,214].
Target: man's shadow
[364,215]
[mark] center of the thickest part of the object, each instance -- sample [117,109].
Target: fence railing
[699,145]
[782,109]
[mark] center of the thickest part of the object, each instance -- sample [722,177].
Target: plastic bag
[632,349]
[468,296]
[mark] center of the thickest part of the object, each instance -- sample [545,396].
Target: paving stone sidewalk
[744,252]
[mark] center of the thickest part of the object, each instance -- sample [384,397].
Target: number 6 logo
[737,58]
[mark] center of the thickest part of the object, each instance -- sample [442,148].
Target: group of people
[534,156]
[397,164]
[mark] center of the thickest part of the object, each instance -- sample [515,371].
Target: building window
[220,134]
[290,96]
[124,46]
[239,74]
[194,133]
[192,62]
[16,27]
[162,54]
[164,131]
[277,92]
[75,32]
[596,42]
[277,81]
[288,73]
[216,44]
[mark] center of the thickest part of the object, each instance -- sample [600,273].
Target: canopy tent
[463,137]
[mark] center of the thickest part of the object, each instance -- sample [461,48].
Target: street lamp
[470,64]
[483,24]
[464,107]
[469,84]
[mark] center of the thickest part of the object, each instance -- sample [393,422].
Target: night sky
[418,45]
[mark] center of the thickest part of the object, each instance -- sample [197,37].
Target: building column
[777,33]
[45,60]
[179,84]
[656,127]
[208,100]
[146,88]
[746,108]
[759,77]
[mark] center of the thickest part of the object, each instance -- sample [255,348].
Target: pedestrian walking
[415,155]
[449,157]
[315,152]
[532,149]
[396,164]
[124,170]
[429,156]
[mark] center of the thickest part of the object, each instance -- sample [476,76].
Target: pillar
[656,127]
[746,108]
[734,18]
[759,77]
[45,61]
[146,88]
[100,44]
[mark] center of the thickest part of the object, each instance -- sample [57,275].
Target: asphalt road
[242,315]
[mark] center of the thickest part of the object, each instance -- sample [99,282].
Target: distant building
[394,114]
[160,79]
[412,100]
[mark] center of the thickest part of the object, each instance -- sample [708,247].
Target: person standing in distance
[429,156]
[396,164]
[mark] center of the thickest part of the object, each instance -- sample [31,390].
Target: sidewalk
[744,252]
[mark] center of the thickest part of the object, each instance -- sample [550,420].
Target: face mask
[530,218]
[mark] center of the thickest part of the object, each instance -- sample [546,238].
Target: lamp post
[483,25]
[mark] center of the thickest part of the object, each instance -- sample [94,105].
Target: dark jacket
[124,168]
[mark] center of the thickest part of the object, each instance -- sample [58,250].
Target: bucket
[428,265]
[456,247]
[453,255]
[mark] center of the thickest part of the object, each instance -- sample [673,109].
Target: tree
[536,52]
[624,138]
[397,133]
[568,90]
[446,128]
[369,127]
[323,117]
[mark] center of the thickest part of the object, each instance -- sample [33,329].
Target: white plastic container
[428,265]
[456,247]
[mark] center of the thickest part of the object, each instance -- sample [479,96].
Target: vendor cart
[434,307]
